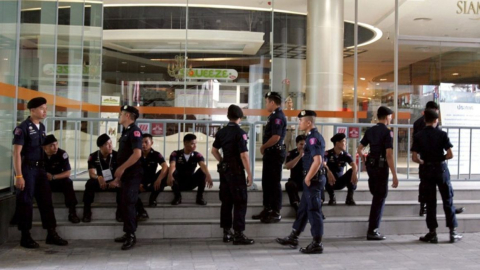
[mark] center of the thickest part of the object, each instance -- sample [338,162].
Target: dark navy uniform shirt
[337,164]
[380,138]
[31,138]
[314,146]
[97,162]
[57,163]
[150,163]
[184,167]
[131,139]
[297,171]
[430,143]
[276,125]
[420,125]
[233,141]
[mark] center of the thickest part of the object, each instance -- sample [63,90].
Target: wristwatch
[53,176]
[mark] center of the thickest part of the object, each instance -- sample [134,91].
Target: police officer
[30,176]
[102,165]
[152,181]
[310,209]
[129,173]
[379,160]
[336,159]
[58,170]
[431,143]
[233,185]
[294,163]
[273,151]
[182,175]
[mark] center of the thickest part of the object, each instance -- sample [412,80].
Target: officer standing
[129,173]
[431,143]
[102,165]
[379,160]
[58,170]
[294,163]
[152,181]
[233,185]
[273,151]
[336,159]
[310,209]
[30,176]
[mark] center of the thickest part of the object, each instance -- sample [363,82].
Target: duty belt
[33,163]
[434,163]
[320,172]
[276,147]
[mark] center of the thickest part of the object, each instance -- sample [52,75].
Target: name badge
[107,175]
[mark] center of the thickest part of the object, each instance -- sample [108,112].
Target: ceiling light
[368,88]
[378,84]
[142,72]
[142,66]
[453,74]
[5,59]
[363,79]
[423,19]
[383,80]
[124,63]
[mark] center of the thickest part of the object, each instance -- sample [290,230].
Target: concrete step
[210,228]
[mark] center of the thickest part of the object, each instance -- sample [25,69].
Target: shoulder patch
[245,137]
[288,154]
[313,141]
[160,155]
[199,155]
[278,121]
[173,154]
[391,134]
[90,158]
[136,133]
[18,131]
[65,155]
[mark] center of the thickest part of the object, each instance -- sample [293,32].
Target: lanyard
[100,161]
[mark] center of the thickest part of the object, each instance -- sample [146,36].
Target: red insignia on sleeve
[313,141]
[136,133]
[18,131]
[90,158]
[160,155]
[288,154]
[173,154]
[199,155]
[245,137]
[278,121]
[391,134]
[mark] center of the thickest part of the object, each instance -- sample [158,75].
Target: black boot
[375,235]
[315,247]
[273,217]
[350,200]
[121,239]
[295,206]
[459,210]
[27,241]
[176,201]
[142,216]
[265,212]
[454,236]
[130,241]
[291,240]
[72,215]
[333,199]
[423,209]
[201,201]
[430,237]
[227,236]
[152,200]
[240,239]
[54,239]
[87,216]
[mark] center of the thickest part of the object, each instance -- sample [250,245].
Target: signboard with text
[144,127]
[353,132]
[158,129]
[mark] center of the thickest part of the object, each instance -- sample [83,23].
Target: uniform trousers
[233,195]
[378,186]
[271,178]
[186,183]
[65,185]
[310,208]
[131,179]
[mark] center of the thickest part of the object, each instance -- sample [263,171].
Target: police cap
[49,139]
[430,115]
[36,102]
[338,137]
[307,113]
[131,109]
[234,112]
[102,139]
[383,111]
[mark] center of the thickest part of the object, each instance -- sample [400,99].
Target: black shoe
[423,210]
[291,240]
[72,217]
[265,212]
[129,241]
[201,201]
[454,236]
[295,206]
[143,216]
[313,248]
[349,200]
[240,239]
[273,217]
[28,242]
[459,210]
[121,239]
[332,201]
[118,217]
[430,237]
[227,236]
[375,235]
[177,201]
[54,239]
[323,217]
[152,203]
[87,217]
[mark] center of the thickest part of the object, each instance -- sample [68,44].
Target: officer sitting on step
[431,143]
[182,175]
[336,160]
[102,165]
[294,163]
[153,181]
[58,170]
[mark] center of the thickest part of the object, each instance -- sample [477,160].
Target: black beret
[430,115]
[49,139]
[234,112]
[102,139]
[383,111]
[338,137]
[130,109]
[36,102]
[307,113]
[273,95]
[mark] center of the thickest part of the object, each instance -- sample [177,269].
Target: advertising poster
[110,127]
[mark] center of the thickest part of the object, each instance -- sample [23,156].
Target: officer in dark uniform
[182,175]
[336,159]
[30,176]
[233,185]
[102,165]
[273,151]
[431,143]
[58,170]
[310,209]
[419,125]
[153,181]
[129,173]
[379,160]
[294,163]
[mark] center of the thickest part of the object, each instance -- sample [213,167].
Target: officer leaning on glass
[294,163]
[233,184]
[379,160]
[31,178]
[129,173]
[310,209]
[273,151]
[430,143]
[58,170]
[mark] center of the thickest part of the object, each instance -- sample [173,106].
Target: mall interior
[183,62]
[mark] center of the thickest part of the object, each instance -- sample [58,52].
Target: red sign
[342,130]
[353,132]
[144,127]
[158,129]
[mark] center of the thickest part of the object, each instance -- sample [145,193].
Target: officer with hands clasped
[378,161]
[310,209]
[430,143]
[294,163]
[233,184]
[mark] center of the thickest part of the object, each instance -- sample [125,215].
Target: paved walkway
[398,252]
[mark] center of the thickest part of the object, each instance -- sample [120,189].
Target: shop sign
[158,129]
[209,74]
[110,101]
[468,7]
[49,69]
[353,132]
[144,127]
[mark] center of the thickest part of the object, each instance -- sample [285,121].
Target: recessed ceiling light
[142,72]
[423,19]
[378,84]
[142,66]
[363,79]
[5,59]
[383,80]
[124,63]
[455,74]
